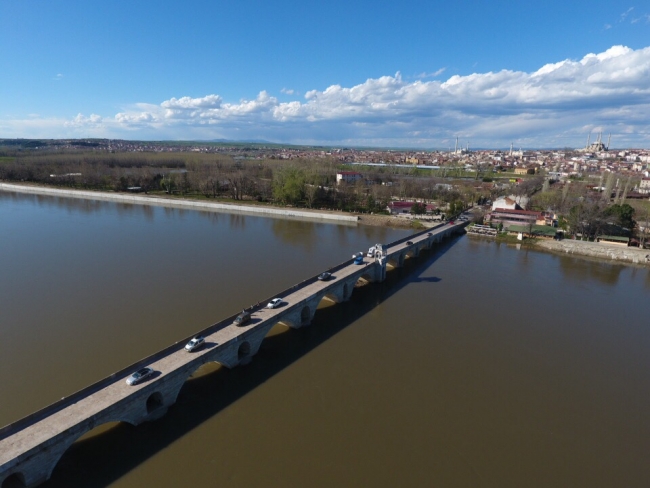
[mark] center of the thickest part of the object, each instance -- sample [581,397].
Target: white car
[195,343]
[139,375]
[275,303]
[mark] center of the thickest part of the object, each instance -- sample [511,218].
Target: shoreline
[277,212]
[172,202]
[592,250]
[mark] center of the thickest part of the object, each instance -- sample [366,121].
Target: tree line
[588,212]
[307,183]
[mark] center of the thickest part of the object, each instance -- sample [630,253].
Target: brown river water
[474,365]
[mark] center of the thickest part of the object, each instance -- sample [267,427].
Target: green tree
[623,215]
[289,185]
[418,208]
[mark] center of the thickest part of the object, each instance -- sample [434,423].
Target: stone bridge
[31,447]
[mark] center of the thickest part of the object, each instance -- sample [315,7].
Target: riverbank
[180,202]
[602,252]
[340,217]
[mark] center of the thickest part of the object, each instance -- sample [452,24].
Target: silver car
[195,343]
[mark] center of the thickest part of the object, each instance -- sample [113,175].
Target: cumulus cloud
[506,104]
[81,121]
[187,103]
[554,105]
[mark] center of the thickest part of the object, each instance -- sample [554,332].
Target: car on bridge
[139,376]
[195,343]
[243,318]
[275,303]
[324,276]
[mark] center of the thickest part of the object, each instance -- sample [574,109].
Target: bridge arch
[15,480]
[52,461]
[363,280]
[243,351]
[305,315]
[154,402]
[332,296]
[290,322]
[207,367]
[279,327]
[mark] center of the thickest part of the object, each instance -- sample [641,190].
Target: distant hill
[240,141]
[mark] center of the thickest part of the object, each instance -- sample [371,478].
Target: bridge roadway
[31,447]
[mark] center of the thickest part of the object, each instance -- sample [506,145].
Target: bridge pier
[34,473]
[380,269]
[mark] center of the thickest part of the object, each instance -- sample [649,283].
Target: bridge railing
[413,236]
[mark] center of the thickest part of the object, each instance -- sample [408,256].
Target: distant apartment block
[348,177]
[644,186]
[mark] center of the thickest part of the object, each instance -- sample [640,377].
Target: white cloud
[550,106]
[625,14]
[81,121]
[645,17]
[425,75]
[210,101]
[287,91]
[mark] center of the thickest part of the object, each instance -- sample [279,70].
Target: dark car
[325,276]
[243,318]
[139,375]
[408,243]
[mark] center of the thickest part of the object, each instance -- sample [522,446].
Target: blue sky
[409,74]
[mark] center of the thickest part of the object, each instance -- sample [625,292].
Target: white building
[644,185]
[348,176]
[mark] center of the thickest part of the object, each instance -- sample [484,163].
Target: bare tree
[609,186]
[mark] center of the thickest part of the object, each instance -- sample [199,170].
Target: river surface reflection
[474,365]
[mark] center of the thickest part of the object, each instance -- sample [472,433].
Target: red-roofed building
[396,208]
[508,217]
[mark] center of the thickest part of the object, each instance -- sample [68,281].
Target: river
[476,364]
